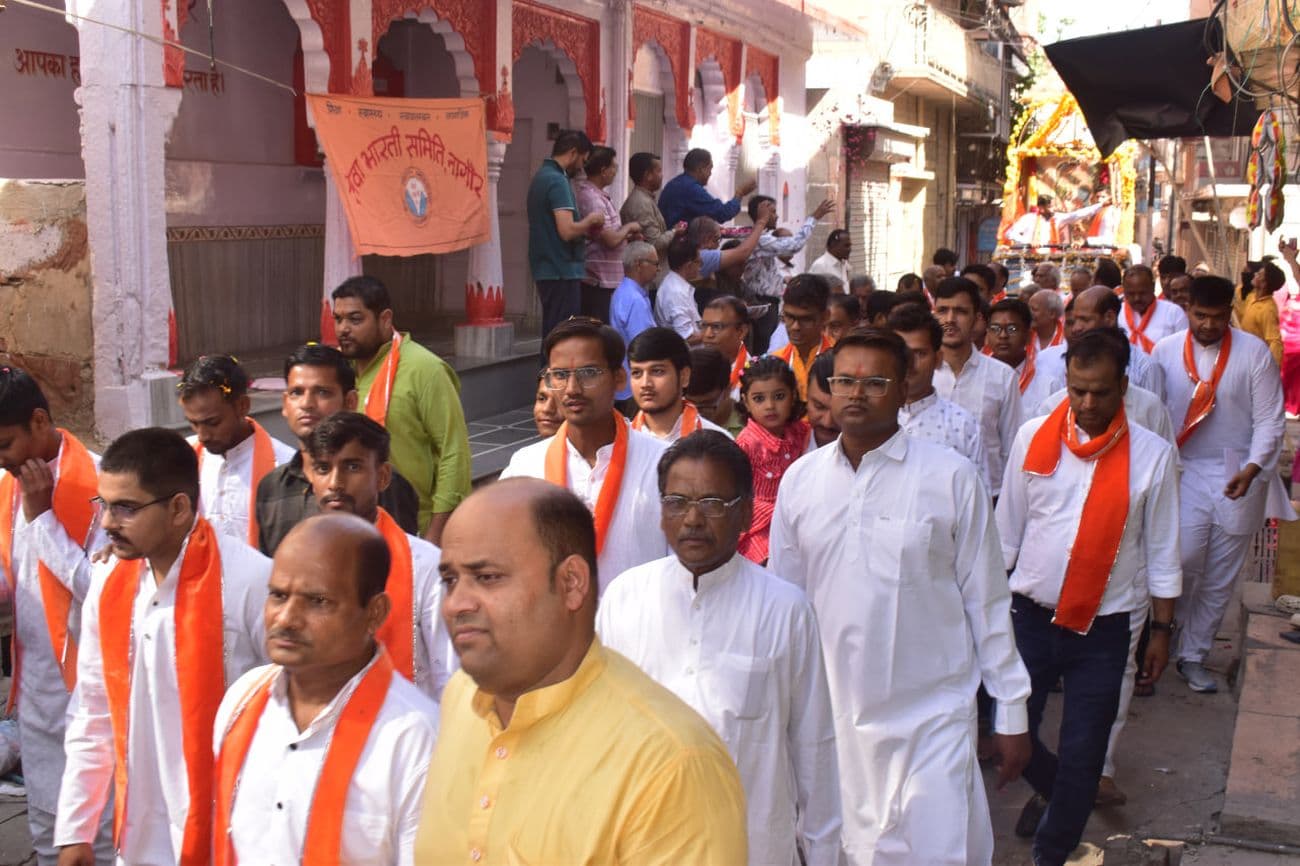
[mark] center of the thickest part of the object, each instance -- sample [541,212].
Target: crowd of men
[231,649]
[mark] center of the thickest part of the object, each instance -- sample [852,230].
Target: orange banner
[412,172]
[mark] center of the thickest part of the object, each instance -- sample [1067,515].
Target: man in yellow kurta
[553,749]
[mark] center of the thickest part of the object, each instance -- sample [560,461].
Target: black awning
[1150,83]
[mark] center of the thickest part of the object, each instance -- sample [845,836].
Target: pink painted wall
[39,136]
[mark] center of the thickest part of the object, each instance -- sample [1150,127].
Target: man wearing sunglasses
[595,453]
[171,619]
[738,644]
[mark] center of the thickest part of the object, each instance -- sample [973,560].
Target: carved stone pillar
[486,333]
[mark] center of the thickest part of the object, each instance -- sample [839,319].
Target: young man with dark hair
[907,655]
[804,313]
[1085,479]
[319,382]
[824,430]
[171,617]
[413,393]
[685,196]
[946,259]
[556,236]
[605,245]
[983,277]
[709,390]
[1145,318]
[879,305]
[47,532]
[1011,340]
[1169,267]
[1224,394]
[661,371]
[1107,273]
[985,387]
[595,453]
[235,453]
[765,629]
[646,172]
[1257,312]
[348,465]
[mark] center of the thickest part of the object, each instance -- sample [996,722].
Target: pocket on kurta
[742,684]
[897,550]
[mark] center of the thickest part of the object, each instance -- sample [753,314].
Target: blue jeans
[1091,668]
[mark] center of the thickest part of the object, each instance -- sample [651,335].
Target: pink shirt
[604,265]
[770,456]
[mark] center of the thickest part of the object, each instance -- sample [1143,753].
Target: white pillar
[618,78]
[486,333]
[126,113]
[341,260]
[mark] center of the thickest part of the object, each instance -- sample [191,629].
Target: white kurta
[158,791]
[1140,405]
[675,305]
[676,433]
[272,807]
[1039,387]
[829,266]
[225,481]
[435,659]
[1035,507]
[634,537]
[989,390]
[43,700]
[1142,371]
[914,611]
[1168,318]
[743,651]
[945,423]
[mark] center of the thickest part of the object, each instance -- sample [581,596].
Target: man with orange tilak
[1145,318]
[413,393]
[595,453]
[172,618]
[347,462]
[1107,492]
[235,453]
[322,755]
[47,525]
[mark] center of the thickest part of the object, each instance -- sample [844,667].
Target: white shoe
[1198,678]
[1287,603]
[1295,620]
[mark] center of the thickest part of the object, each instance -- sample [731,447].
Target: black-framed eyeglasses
[557,378]
[799,321]
[847,386]
[710,506]
[124,511]
[717,327]
[999,330]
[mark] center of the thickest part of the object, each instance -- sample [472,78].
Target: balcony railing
[940,50]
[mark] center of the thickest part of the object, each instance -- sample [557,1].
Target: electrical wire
[157,40]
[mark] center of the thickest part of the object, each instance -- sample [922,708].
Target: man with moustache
[646,170]
[1097,307]
[1047,310]
[172,617]
[818,408]
[661,370]
[321,756]
[724,325]
[1145,318]
[347,461]
[319,381]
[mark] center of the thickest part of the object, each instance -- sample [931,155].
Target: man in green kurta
[413,393]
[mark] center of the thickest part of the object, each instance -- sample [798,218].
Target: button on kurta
[502,751]
[475,854]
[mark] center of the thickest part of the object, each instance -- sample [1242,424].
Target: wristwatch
[1164,626]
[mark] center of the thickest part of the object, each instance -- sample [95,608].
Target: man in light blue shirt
[629,309]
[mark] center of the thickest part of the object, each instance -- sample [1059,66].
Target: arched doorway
[654,95]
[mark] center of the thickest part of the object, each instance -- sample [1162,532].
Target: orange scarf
[77,483]
[790,355]
[200,675]
[398,631]
[263,463]
[557,472]
[1202,402]
[1027,371]
[1105,509]
[1137,330]
[356,721]
[381,390]
[738,366]
[1000,296]
[690,420]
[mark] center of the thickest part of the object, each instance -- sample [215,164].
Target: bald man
[554,749]
[307,771]
[1097,307]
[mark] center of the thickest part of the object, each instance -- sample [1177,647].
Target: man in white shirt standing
[235,453]
[595,453]
[172,618]
[738,644]
[675,302]
[1089,529]
[322,755]
[1098,307]
[1148,319]
[347,462]
[1225,397]
[1010,340]
[661,371]
[47,527]
[983,386]
[926,415]
[912,602]
[835,261]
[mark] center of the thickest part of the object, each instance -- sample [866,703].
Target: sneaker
[1027,823]
[1287,603]
[1109,794]
[1295,620]
[1198,678]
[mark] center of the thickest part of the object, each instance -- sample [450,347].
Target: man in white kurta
[1145,318]
[1229,460]
[587,441]
[275,764]
[347,463]
[1097,307]
[675,301]
[142,526]
[660,365]
[740,645]
[47,476]
[1080,626]
[911,598]
[225,481]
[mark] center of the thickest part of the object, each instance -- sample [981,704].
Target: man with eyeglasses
[738,644]
[47,529]
[725,325]
[1010,339]
[171,619]
[629,310]
[595,453]
[912,603]
[804,313]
